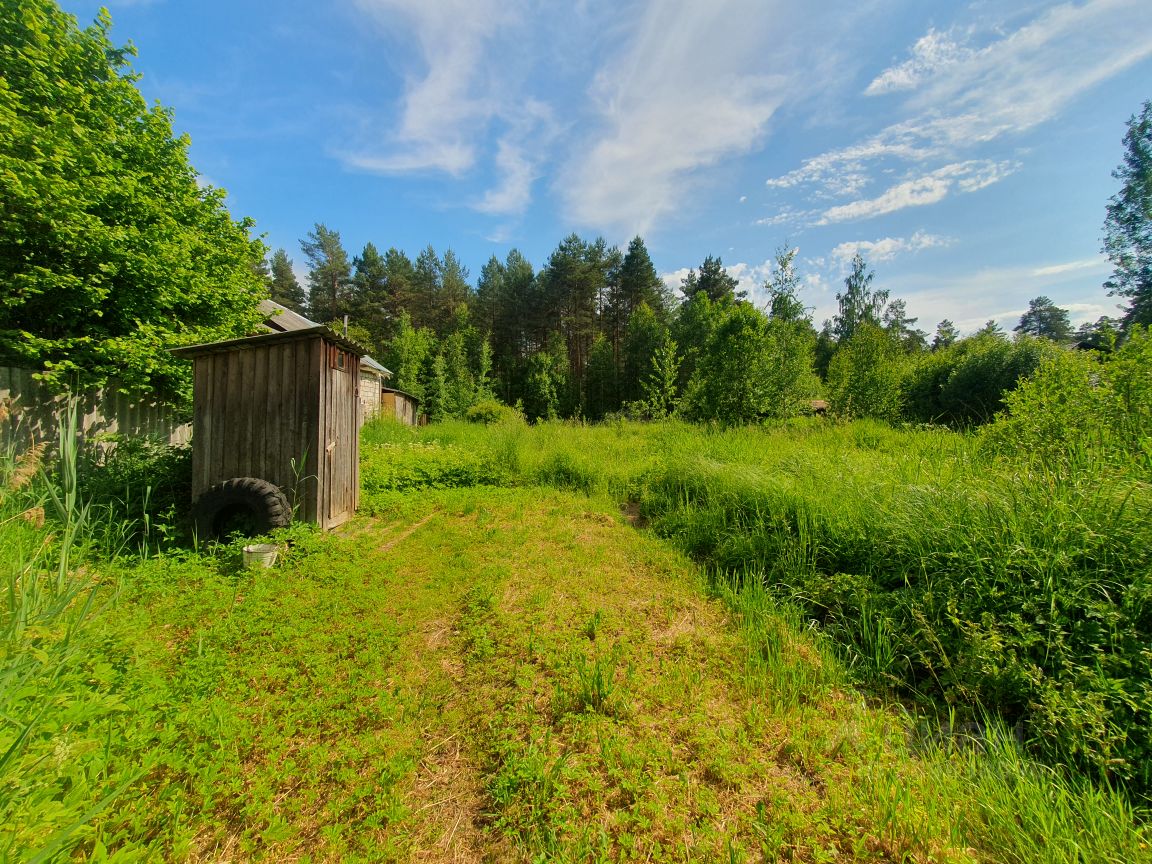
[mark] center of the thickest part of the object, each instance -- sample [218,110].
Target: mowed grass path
[500,675]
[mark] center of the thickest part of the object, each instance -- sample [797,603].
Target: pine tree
[946,335]
[661,388]
[1044,318]
[371,303]
[329,275]
[284,286]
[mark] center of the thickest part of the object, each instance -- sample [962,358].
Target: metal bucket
[261,555]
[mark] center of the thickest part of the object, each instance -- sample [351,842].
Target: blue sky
[965,148]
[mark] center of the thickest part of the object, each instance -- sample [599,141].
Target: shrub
[1076,409]
[490,411]
[966,383]
[864,377]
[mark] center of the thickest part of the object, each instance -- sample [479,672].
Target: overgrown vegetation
[516,671]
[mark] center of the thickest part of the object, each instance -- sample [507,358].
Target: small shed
[403,406]
[283,408]
[373,376]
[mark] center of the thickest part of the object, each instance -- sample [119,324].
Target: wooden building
[403,406]
[282,407]
[374,377]
[373,380]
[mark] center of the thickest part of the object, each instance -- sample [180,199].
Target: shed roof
[269,338]
[373,365]
[415,399]
[280,318]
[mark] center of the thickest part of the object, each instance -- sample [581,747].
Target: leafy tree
[541,399]
[408,353]
[601,390]
[110,250]
[644,337]
[1128,224]
[750,368]
[825,350]
[1045,319]
[329,275]
[285,287]
[946,335]
[661,388]
[459,384]
[783,288]
[695,320]
[859,304]
[437,397]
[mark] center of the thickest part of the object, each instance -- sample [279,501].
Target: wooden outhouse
[282,408]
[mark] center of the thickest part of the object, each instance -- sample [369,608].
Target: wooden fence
[32,411]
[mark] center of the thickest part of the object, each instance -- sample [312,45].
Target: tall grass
[989,587]
[57,770]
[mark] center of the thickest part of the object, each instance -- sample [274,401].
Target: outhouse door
[340,484]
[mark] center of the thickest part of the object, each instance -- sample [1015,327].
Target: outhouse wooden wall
[284,408]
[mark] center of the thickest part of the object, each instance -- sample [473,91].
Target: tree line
[595,332]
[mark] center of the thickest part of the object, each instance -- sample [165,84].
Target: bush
[142,486]
[1077,409]
[864,377]
[966,383]
[490,411]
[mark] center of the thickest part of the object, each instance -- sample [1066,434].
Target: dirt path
[501,675]
[585,701]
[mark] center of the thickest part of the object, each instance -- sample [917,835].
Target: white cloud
[886,248]
[1002,293]
[1099,264]
[932,52]
[690,89]
[448,109]
[929,189]
[959,96]
[443,107]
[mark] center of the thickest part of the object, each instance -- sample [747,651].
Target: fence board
[33,411]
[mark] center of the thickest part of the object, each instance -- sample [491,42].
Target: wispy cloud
[886,248]
[445,106]
[927,189]
[1099,264]
[689,89]
[932,52]
[458,99]
[962,89]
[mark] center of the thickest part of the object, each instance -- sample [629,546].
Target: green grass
[492,663]
[982,585]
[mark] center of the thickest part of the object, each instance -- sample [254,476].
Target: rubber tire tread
[264,503]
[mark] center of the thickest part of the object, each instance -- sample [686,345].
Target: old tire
[244,505]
